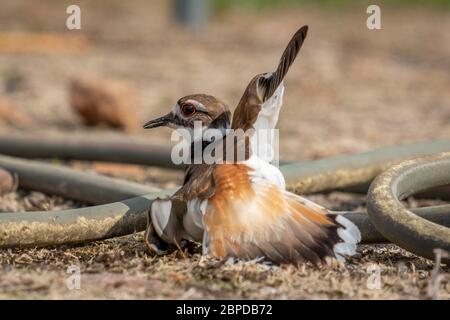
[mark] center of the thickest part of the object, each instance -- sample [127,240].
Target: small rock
[109,103]
[12,115]
[14,82]
[7,182]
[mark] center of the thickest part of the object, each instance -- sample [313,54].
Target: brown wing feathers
[271,83]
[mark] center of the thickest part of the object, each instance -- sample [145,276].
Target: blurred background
[351,89]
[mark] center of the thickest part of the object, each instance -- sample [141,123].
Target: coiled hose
[397,223]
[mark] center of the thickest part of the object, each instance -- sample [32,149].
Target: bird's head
[208,110]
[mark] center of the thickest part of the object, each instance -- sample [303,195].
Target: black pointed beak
[159,122]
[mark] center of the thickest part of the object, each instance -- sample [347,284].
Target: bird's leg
[177,244]
[154,243]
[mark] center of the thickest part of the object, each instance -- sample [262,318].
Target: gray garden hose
[122,149]
[73,184]
[49,228]
[369,234]
[120,218]
[353,170]
[399,224]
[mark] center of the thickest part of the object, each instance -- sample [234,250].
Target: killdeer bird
[241,208]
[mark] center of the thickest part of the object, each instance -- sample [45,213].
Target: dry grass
[122,269]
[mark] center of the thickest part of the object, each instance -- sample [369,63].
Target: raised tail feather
[263,87]
[271,81]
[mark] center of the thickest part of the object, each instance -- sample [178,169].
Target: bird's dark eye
[188,110]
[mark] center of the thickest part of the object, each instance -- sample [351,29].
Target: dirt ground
[350,90]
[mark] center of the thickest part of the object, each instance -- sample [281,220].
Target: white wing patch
[165,217]
[263,139]
[160,213]
[264,171]
[193,219]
